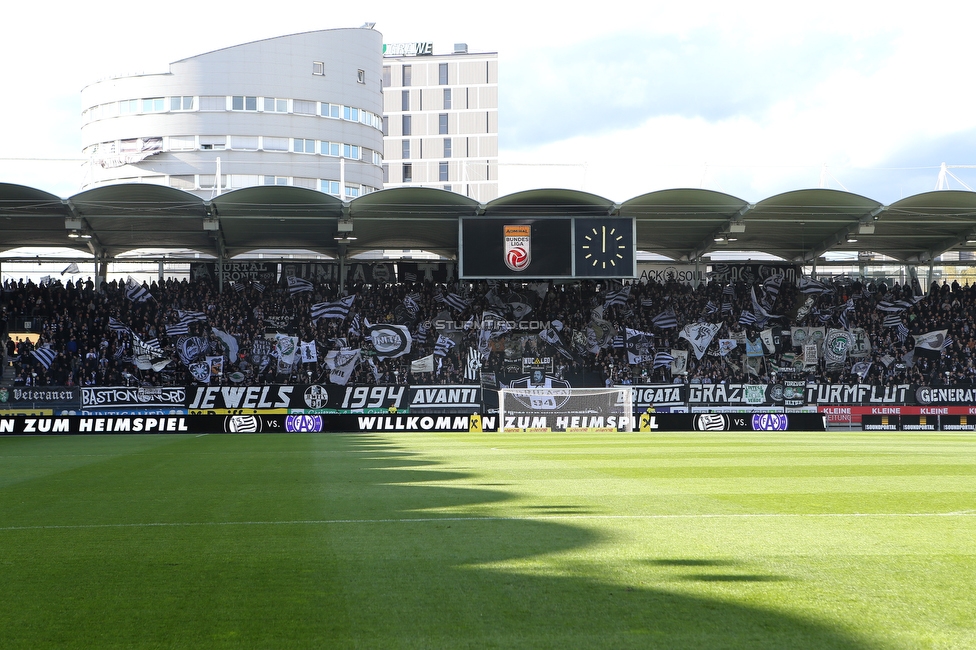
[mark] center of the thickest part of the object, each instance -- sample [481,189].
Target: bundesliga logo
[518,250]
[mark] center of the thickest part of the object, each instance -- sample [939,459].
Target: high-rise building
[440,114]
[303,110]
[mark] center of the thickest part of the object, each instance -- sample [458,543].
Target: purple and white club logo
[303,423]
[770,422]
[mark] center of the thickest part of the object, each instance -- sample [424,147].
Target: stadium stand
[590,333]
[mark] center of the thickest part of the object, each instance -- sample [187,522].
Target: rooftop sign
[408,49]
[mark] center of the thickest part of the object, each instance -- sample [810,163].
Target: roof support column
[101,271]
[342,268]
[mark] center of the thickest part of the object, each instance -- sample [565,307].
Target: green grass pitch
[800,540]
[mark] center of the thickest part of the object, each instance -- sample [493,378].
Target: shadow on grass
[423,585]
[369,552]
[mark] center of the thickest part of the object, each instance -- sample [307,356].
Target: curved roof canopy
[681,224]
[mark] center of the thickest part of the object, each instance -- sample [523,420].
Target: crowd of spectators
[572,323]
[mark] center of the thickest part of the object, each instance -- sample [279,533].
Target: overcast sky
[618,102]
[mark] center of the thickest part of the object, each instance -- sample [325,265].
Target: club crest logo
[518,247]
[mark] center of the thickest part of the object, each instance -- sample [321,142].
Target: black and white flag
[640,346]
[930,344]
[452,300]
[618,297]
[810,285]
[116,325]
[390,340]
[335,309]
[135,291]
[700,335]
[443,346]
[298,285]
[665,320]
[45,356]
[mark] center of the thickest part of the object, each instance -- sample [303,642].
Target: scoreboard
[547,247]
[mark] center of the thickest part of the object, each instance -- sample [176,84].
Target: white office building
[441,119]
[303,110]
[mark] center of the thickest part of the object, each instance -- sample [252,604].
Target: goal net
[561,409]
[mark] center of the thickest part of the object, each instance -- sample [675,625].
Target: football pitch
[798,540]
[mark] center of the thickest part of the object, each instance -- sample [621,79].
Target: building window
[350,113]
[330,149]
[406,125]
[243,103]
[387,76]
[182,143]
[406,75]
[244,142]
[361,76]
[330,187]
[407,173]
[129,106]
[330,110]
[213,142]
[442,123]
[442,74]
[386,125]
[304,146]
[274,144]
[303,107]
[213,103]
[275,180]
[442,171]
[181,103]
[404,100]
[318,68]
[352,192]
[153,105]
[447,187]
[447,148]
[350,151]
[187,182]
[274,105]
[405,154]
[447,98]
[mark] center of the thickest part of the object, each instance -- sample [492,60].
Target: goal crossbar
[562,408]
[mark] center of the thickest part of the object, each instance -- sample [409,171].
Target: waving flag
[45,356]
[665,320]
[298,285]
[135,291]
[335,309]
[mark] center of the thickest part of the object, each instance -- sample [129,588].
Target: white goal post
[563,408]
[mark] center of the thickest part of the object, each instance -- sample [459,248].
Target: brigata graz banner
[333,399]
[779,394]
[648,395]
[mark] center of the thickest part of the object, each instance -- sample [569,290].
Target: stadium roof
[681,224]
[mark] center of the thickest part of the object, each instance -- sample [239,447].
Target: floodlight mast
[943,181]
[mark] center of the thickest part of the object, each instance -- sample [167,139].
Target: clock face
[604,248]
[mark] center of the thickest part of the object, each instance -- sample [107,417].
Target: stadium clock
[604,248]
